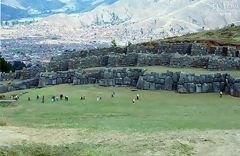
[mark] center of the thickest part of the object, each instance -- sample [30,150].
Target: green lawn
[155,111]
[162,69]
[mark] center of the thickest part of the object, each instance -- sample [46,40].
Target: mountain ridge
[38,8]
[135,20]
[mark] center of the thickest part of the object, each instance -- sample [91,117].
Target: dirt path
[193,142]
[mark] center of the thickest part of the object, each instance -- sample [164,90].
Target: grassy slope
[160,111]
[225,36]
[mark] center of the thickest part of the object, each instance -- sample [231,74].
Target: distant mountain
[32,8]
[127,20]
[149,19]
[9,12]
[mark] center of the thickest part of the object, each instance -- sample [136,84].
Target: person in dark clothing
[82,98]
[138,97]
[61,97]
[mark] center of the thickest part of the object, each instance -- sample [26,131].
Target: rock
[20,85]
[75,81]
[209,78]
[140,83]
[54,81]
[150,78]
[191,87]
[198,88]
[158,86]
[198,49]
[168,83]
[175,77]
[107,75]
[182,78]
[106,82]
[92,80]
[152,86]
[134,83]
[202,79]
[127,81]
[146,85]
[59,80]
[3,89]
[119,81]
[216,87]
[181,89]
[207,87]
[41,83]
[236,90]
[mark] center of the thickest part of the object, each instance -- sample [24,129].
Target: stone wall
[26,73]
[211,62]
[105,77]
[190,83]
[171,81]
[167,54]
[179,61]
[158,48]
[198,49]
[183,48]
[224,63]
[19,85]
[120,77]
[54,78]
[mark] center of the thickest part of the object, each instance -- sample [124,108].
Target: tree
[232,25]
[5,66]
[18,65]
[114,44]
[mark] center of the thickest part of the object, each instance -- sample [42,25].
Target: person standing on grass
[97,98]
[61,97]
[221,94]
[37,97]
[53,98]
[133,101]
[138,97]
[113,94]
[43,99]
[82,98]
[29,99]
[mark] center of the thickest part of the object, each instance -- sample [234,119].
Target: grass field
[161,123]
[155,111]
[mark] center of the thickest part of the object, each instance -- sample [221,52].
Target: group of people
[66,98]
[15,97]
[137,98]
[53,98]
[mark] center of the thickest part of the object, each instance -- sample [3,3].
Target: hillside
[226,36]
[39,8]
[131,20]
